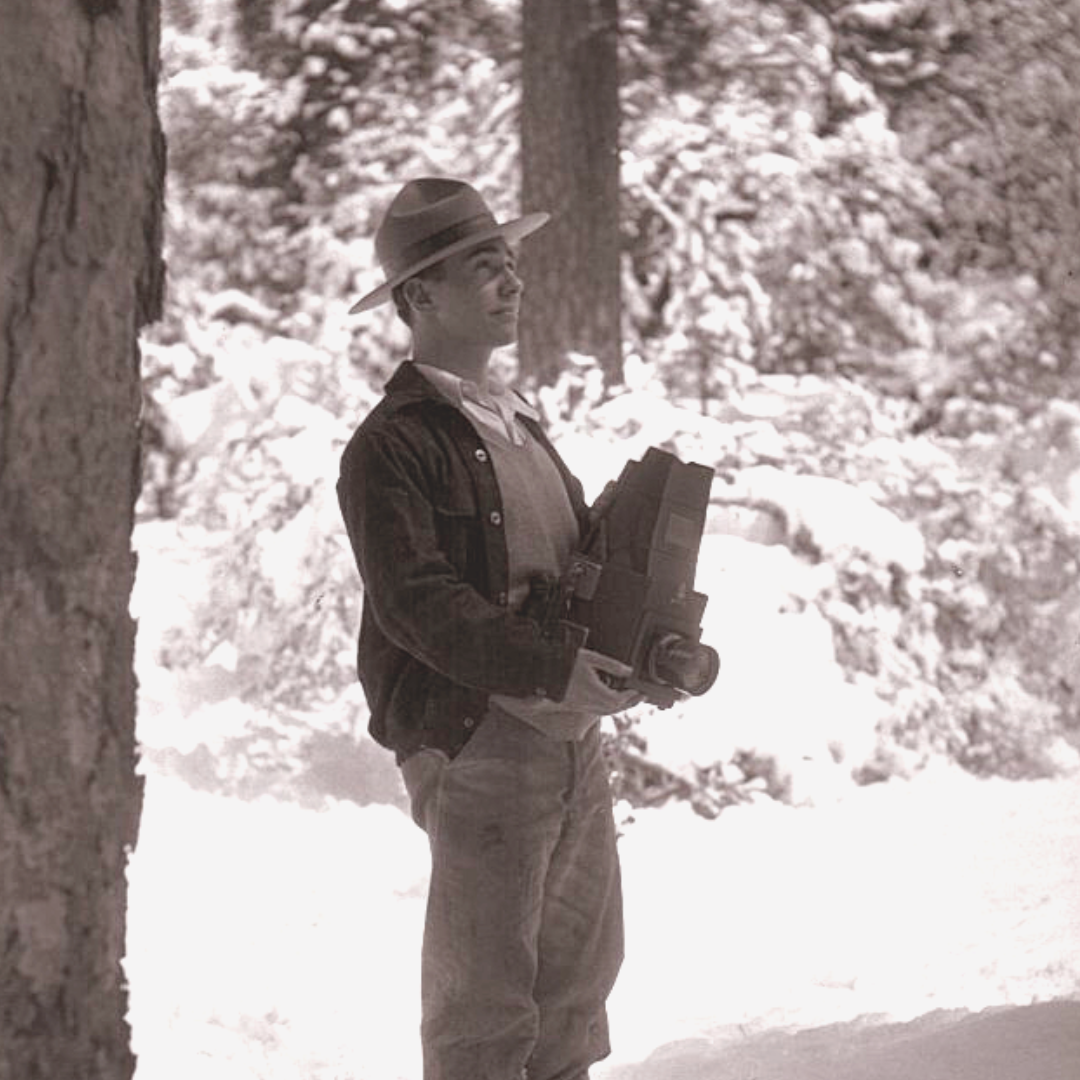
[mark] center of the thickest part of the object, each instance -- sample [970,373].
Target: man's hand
[587,698]
[587,692]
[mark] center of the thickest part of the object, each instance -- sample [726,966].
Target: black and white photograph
[539,539]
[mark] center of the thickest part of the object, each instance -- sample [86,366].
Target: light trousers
[524,932]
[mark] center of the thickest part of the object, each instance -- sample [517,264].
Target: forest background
[850,284]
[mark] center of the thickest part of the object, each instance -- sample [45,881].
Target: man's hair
[435,272]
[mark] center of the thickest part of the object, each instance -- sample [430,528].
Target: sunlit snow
[271,940]
[267,940]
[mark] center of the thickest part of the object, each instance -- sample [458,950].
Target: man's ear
[417,294]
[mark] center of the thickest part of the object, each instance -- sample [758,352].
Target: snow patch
[780,695]
[837,518]
[267,940]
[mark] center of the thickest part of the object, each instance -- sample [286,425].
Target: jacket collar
[407,385]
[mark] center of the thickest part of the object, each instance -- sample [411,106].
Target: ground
[917,929]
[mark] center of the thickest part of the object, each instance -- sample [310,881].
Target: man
[454,499]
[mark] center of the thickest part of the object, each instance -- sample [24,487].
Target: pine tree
[570,166]
[81,180]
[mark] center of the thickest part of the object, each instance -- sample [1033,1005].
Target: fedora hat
[429,220]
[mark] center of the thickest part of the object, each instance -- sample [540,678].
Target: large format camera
[629,592]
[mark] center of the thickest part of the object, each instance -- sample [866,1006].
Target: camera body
[629,591]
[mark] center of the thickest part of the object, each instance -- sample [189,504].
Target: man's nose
[511,283]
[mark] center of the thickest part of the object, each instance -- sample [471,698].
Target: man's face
[477,297]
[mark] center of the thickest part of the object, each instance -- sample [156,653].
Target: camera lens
[683,663]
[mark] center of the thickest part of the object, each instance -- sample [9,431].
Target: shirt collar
[498,396]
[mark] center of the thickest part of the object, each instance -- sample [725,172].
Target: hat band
[431,245]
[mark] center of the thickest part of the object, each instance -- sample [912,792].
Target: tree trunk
[254,26]
[81,180]
[570,167]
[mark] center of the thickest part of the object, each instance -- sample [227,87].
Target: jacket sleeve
[420,601]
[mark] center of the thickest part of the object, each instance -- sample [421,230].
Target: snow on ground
[942,892]
[267,940]
[270,941]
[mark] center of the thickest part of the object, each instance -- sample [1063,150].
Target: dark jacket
[423,511]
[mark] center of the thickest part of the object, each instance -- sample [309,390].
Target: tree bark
[81,180]
[570,167]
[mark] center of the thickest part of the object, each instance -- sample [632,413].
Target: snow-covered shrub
[945,571]
[922,524]
[226,223]
[260,447]
[975,654]
[758,233]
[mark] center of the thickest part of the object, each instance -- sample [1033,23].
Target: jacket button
[503,598]
[469,722]
[495,517]
[481,455]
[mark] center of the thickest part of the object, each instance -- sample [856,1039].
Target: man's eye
[492,267]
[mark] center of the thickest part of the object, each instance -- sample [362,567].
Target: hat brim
[511,231]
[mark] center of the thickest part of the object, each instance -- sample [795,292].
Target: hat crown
[428,214]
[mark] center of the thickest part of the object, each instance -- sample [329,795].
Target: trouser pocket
[421,774]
